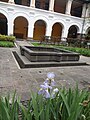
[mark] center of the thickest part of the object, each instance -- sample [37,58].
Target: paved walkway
[23,43]
[24,80]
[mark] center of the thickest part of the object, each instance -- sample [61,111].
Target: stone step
[25,63]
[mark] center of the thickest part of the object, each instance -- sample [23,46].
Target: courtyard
[12,77]
[44,71]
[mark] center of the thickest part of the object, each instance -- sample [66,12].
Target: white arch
[61,22]
[87,30]
[4,13]
[87,26]
[78,26]
[21,14]
[45,19]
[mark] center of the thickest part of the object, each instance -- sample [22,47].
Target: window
[18,2]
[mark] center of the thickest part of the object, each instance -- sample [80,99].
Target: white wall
[11,11]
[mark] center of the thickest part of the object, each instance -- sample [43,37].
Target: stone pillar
[30,31]
[84,10]
[10,26]
[88,10]
[68,7]
[32,3]
[64,34]
[11,1]
[48,30]
[51,5]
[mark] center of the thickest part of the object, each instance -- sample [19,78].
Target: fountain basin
[47,54]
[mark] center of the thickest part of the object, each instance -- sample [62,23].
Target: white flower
[54,93]
[46,81]
[45,86]
[50,82]
[53,83]
[47,94]
[10,100]
[41,91]
[50,75]
[55,90]
[44,92]
[83,116]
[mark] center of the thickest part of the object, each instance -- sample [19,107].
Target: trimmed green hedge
[82,51]
[6,44]
[7,41]
[7,38]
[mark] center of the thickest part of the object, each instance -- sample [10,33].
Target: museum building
[31,19]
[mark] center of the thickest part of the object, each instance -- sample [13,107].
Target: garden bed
[82,51]
[7,41]
[6,44]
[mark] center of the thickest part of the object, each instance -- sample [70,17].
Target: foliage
[7,38]
[9,108]
[48,88]
[82,51]
[78,43]
[6,44]
[7,41]
[66,104]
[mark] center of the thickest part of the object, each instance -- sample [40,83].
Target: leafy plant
[82,51]
[7,38]
[9,108]
[53,104]
[6,44]
[65,105]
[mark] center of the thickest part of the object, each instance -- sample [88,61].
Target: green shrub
[6,41]
[82,51]
[10,38]
[6,44]
[7,38]
[2,37]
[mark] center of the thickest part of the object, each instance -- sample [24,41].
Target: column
[84,10]
[48,30]
[10,26]
[32,3]
[30,31]
[88,10]
[68,7]
[51,5]
[64,34]
[11,1]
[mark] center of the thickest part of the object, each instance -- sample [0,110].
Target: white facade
[11,11]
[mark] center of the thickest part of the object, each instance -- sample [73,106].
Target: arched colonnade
[25,27]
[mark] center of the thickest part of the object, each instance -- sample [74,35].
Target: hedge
[7,38]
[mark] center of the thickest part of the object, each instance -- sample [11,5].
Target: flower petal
[47,94]
[50,75]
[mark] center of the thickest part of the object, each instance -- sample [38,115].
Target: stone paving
[24,80]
